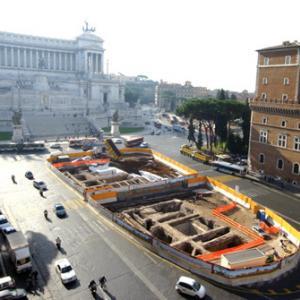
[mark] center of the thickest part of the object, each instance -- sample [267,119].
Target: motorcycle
[58,243]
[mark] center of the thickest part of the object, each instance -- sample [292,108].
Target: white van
[7,283]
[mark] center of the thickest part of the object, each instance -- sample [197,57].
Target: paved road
[94,246]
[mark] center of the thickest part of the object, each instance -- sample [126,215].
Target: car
[13,294]
[144,145]
[117,140]
[55,146]
[4,223]
[29,175]
[8,230]
[264,235]
[41,185]
[59,210]
[65,271]
[189,286]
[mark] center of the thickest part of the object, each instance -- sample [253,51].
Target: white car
[117,140]
[189,286]
[4,223]
[65,270]
[144,145]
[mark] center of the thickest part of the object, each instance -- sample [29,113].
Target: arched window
[261,158]
[280,164]
[296,168]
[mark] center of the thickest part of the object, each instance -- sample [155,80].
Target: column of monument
[5,56]
[12,56]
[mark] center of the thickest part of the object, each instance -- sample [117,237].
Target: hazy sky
[211,43]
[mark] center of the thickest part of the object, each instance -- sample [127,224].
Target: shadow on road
[43,252]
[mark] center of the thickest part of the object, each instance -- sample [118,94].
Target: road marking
[133,268]
[97,224]
[150,257]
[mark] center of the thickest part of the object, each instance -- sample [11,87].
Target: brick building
[274,148]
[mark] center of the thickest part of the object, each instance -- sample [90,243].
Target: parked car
[260,232]
[190,287]
[13,294]
[65,271]
[8,230]
[55,146]
[117,140]
[29,175]
[4,223]
[59,210]
[41,185]
[7,283]
[144,145]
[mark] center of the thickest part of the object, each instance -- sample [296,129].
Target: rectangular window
[283,123]
[263,136]
[266,60]
[265,81]
[297,143]
[288,59]
[282,140]
[286,81]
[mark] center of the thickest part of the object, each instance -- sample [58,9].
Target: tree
[233,96]
[246,116]
[222,94]
[191,128]
[199,142]
[131,96]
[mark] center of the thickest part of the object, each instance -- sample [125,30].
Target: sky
[211,43]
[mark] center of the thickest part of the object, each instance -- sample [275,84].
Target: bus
[132,141]
[228,167]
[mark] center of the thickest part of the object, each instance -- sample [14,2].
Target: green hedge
[5,136]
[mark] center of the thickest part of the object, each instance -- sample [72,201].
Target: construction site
[161,200]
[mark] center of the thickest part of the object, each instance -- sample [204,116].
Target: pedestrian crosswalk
[74,204]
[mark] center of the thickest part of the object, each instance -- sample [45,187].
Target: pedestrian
[35,275]
[13,178]
[41,193]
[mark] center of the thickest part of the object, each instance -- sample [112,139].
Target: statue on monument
[86,28]
[115,116]
[16,118]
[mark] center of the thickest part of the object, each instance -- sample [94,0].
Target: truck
[19,251]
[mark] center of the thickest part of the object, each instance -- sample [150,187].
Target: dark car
[59,210]
[29,175]
[41,185]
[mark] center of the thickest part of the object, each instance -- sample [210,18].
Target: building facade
[274,148]
[170,95]
[39,74]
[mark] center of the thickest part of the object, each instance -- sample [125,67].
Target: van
[7,283]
